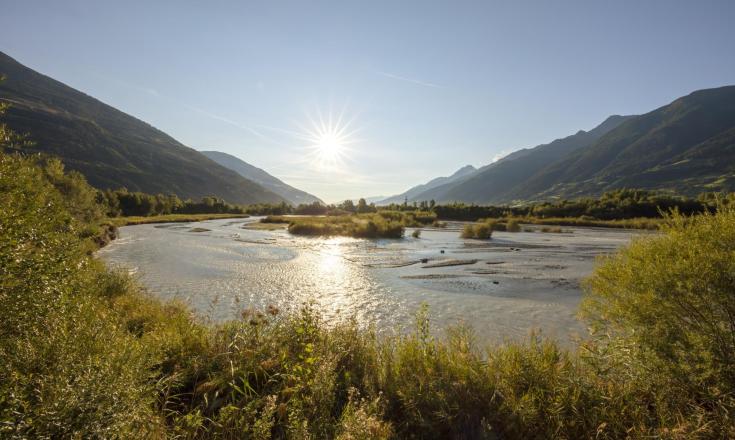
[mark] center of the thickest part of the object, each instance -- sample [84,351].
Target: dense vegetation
[85,353]
[125,203]
[625,208]
[612,205]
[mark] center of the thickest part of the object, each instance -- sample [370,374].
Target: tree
[363,207]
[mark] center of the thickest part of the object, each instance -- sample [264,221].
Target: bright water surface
[520,282]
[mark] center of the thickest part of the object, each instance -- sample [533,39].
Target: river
[505,288]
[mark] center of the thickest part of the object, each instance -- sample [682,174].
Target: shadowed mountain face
[259,176]
[492,183]
[113,149]
[687,147]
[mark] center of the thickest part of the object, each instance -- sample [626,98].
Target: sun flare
[329,141]
[329,146]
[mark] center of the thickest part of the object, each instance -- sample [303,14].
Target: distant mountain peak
[467,169]
[458,175]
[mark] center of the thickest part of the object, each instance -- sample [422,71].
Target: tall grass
[86,353]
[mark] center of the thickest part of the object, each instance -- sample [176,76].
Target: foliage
[358,225]
[85,353]
[67,368]
[121,202]
[614,206]
[669,299]
[512,225]
[481,231]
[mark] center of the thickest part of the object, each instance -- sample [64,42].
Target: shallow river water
[506,287]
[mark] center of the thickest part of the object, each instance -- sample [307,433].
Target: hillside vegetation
[86,353]
[687,146]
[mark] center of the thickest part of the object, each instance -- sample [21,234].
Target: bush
[468,231]
[512,226]
[416,233]
[354,225]
[671,297]
[481,231]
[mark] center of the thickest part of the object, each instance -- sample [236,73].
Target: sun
[330,146]
[329,141]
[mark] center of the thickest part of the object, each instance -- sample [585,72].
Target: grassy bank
[630,223]
[170,218]
[86,353]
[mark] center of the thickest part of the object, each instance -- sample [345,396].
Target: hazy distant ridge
[260,176]
[412,193]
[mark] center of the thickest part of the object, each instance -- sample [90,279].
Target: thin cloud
[501,155]
[410,80]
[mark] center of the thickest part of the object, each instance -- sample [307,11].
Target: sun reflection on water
[336,278]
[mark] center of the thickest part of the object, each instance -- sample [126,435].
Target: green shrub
[670,298]
[416,233]
[481,231]
[355,225]
[468,231]
[512,225]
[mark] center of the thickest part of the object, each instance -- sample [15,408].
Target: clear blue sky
[431,86]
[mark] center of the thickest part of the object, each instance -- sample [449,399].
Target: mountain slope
[259,176]
[495,183]
[687,146]
[113,149]
[411,194]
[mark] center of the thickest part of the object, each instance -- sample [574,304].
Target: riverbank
[87,353]
[170,218]
[628,223]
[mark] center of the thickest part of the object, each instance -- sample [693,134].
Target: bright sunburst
[329,141]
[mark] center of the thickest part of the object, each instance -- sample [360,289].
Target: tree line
[612,205]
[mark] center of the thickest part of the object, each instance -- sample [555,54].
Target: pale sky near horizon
[427,86]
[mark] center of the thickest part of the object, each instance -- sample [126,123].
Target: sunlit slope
[111,148]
